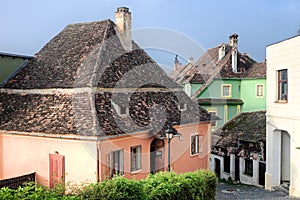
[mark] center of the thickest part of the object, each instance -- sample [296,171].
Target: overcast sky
[26,26]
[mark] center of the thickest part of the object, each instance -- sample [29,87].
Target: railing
[15,182]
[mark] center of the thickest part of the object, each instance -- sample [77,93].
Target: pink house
[91,105]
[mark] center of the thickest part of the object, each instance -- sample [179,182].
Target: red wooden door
[56,169]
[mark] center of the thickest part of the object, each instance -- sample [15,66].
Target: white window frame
[182,106]
[136,158]
[257,90]
[118,108]
[116,159]
[195,145]
[230,90]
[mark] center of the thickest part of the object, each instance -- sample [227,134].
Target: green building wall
[214,90]
[244,89]
[248,95]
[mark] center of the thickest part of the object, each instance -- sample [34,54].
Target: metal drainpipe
[98,161]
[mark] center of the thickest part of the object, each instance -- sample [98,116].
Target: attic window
[120,108]
[123,110]
[182,106]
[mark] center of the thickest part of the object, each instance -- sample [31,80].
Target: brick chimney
[123,22]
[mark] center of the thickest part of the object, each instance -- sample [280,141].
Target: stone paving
[235,191]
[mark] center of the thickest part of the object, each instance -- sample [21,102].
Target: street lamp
[169,134]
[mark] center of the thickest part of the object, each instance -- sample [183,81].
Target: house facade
[9,63]
[239,149]
[95,106]
[283,74]
[224,81]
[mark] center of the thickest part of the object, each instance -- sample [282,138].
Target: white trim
[230,90]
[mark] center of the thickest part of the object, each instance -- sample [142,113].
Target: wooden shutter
[56,169]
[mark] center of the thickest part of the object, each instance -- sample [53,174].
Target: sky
[163,27]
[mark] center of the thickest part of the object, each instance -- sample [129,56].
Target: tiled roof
[72,84]
[257,70]
[249,127]
[209,64]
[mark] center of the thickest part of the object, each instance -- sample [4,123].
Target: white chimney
[221,51]
[233,40]
[123,22]
[234,60]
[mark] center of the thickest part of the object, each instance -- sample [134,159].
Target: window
[194,144]
[182,106]
[259,90]
[135,153]
[226,90]
[249,166]
[121,109]
[116,163]
[282,85]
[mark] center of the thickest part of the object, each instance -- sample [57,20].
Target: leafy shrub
[31,191]
[198,185]
[116,188]
[193,185]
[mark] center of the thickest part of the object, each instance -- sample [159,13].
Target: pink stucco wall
[24,154]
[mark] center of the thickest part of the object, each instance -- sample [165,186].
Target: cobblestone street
[230,191]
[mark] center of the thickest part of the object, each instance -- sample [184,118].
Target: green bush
[31,191]
[116,188]
[198,185]
[162,185]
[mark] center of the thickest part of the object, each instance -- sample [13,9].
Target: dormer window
[123,110]
[120,108]
[182,106]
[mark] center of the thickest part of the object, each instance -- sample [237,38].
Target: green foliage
[116,188]
[31,191]
[198,185]
[168,185]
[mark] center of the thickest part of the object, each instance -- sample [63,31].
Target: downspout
[98,161]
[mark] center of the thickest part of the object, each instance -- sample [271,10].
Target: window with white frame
[182,106]
[136,155]
[226,90]
[121,109]
[259,90]
[282,85]
[194,144]
[116,163]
